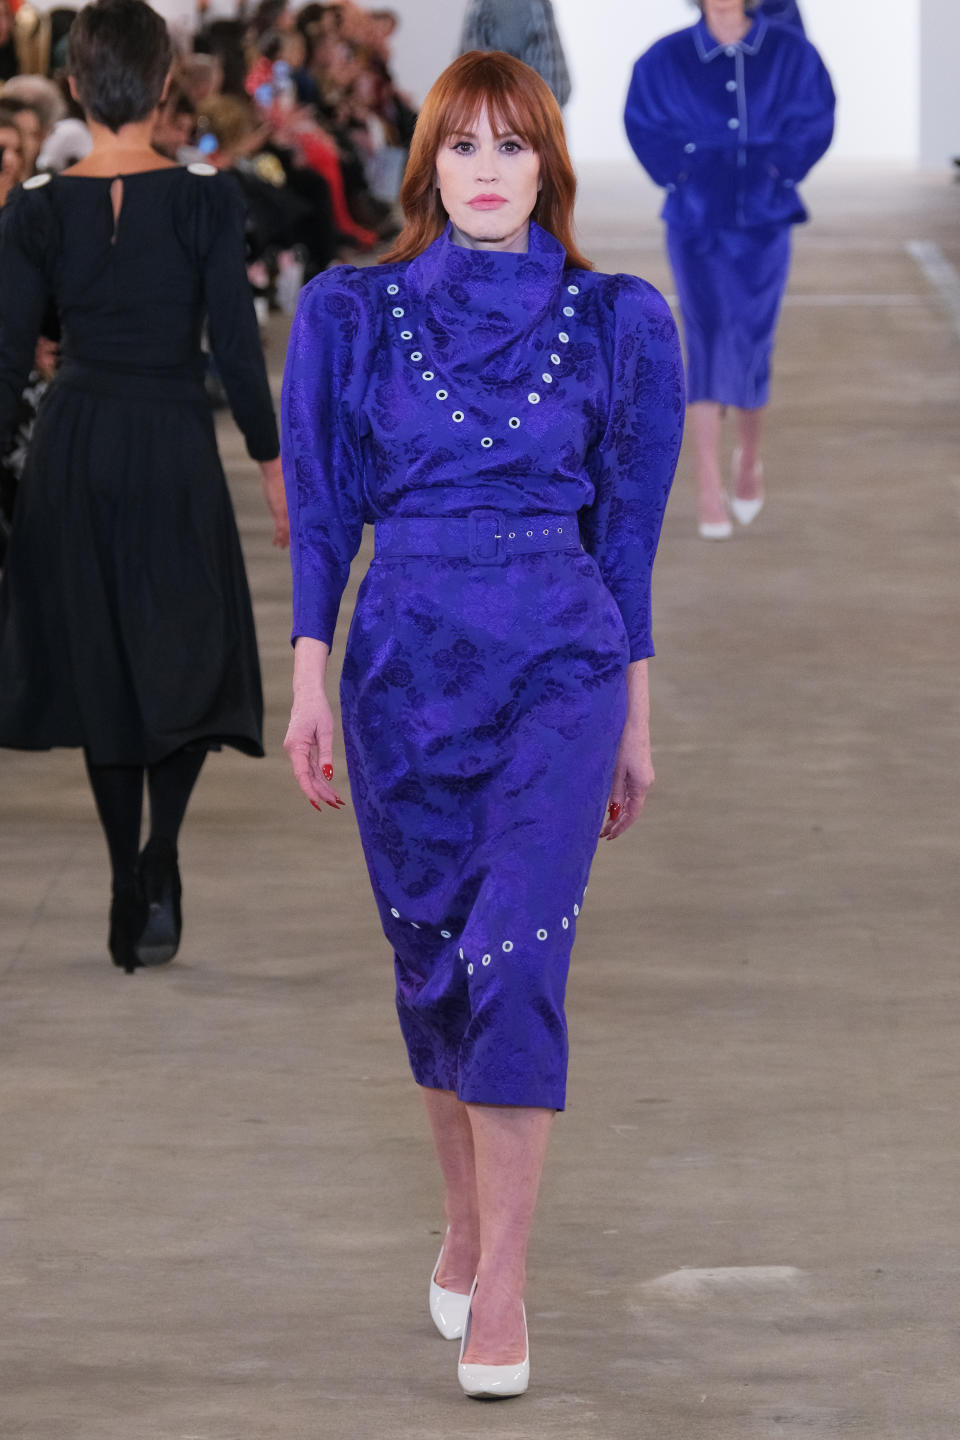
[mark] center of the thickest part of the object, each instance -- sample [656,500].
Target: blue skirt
[730,284]
[482,712]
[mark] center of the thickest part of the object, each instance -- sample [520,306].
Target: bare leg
[747,480]
[453,1139]
[705,422]
[510,1144]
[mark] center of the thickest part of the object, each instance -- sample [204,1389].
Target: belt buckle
[486,538]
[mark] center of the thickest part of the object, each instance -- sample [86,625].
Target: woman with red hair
[509,422]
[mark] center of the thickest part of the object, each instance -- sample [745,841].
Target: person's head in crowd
[11,153]
[271,15]
[119,59]
[175,123]
[225,41]
[483,88]
[38,105]
[28,124]
[235,126]
[200,77]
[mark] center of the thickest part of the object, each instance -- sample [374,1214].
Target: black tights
[118,792]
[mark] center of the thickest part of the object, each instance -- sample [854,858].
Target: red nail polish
[314,804]
[327,772]
[615,810]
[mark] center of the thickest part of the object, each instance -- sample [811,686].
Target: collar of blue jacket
[709,48]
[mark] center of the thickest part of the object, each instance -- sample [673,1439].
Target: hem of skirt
[480,1095]
[246,746]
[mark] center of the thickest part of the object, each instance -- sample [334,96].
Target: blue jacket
[730,130]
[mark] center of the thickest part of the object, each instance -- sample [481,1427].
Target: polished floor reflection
[217,1212]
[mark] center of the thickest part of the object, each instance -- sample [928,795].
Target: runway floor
[217,1207]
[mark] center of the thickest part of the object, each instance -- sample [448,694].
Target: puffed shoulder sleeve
[212,217]
[28,238]
[632,468]
[653,123]
[323,388]
[807,107]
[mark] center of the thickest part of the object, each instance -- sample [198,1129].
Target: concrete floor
[218,1209]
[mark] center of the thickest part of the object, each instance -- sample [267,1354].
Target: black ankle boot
[160,881]
[127,917]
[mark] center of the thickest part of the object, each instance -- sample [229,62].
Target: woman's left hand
[632,778]
[633,775]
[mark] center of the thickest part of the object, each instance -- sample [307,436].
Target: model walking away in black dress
[125,619]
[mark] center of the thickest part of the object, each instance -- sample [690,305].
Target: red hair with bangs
[518,102]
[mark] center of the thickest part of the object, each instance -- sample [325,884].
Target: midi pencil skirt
[482,712]
[730,285]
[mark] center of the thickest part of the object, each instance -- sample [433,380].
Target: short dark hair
[119,56]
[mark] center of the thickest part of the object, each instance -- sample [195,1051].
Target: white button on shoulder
[393,289]
[200,167]
[37,182]
[534,398]
[734,123]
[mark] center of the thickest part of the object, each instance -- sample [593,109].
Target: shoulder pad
[199,167]
[36,182]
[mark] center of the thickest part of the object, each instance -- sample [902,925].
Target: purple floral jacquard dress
[482,703]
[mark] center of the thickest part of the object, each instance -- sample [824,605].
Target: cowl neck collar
[485,300]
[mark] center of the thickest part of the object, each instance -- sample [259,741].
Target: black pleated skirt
[125,618]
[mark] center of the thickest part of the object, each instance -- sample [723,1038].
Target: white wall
[939,81]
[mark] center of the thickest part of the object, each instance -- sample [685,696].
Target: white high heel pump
[448,1308]
[746,511]
[493,1382]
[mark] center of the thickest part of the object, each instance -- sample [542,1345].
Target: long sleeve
[23,298]
[545,52]
[807,117]
[323,386]
[652,118]
[234,333]
[633,466]
[475,34]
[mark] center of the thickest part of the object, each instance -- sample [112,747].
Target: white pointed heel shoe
[746,511]
[448,1309]
[492,1382]
[715,530]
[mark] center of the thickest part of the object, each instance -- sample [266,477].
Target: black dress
[125,617]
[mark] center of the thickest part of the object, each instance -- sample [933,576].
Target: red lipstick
[486,202]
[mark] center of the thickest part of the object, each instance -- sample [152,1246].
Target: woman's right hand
[271,480]
[309,744]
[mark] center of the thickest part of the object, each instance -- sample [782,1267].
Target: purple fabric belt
[485,537]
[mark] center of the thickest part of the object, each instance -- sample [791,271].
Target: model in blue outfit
[509,421]
[728,116]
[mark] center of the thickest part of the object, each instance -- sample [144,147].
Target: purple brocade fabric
[482,705]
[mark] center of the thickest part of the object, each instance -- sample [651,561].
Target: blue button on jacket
[729,130]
